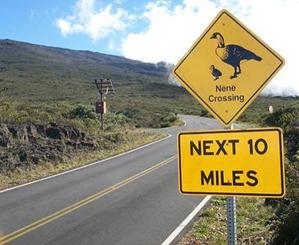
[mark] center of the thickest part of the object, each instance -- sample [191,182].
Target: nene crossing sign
[227,67]
[232,163]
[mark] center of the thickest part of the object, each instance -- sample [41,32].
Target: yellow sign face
[232,163]
[227,67]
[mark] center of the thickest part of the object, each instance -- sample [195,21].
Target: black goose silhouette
[233,54]
[215,72]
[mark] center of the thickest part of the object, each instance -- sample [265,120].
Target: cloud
[172,29]
[97,24]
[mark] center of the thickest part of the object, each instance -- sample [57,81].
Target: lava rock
[5,136]
[54,133]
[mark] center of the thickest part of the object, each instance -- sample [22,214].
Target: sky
[152,30]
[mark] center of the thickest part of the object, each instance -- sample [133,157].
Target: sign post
[225,70]
[231,217]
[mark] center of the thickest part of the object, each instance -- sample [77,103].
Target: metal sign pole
[231,221]
[231,217]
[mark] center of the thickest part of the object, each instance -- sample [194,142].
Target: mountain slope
[42,78]
[38,72]
[45,75]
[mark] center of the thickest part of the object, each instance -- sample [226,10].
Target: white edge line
[186,221]
[85,166]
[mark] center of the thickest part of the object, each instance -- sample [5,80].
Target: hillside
[38,72]
[47,75]
[47,98]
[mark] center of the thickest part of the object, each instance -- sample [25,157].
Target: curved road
[129,199]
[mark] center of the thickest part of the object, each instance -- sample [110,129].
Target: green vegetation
[112,146]
[40,139]
[47,111]
[46,78]
[210,229]
[259,109]
[285,222]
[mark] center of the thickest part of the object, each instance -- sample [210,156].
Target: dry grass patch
[33,172]
[252,228]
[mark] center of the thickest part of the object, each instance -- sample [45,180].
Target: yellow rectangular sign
[232,163]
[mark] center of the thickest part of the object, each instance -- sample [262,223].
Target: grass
[246,125]
[33,172]
[211,227]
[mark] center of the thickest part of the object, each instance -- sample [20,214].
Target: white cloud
[95,23]
[172,30]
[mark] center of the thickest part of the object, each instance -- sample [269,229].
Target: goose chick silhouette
[233,54]
[215,72]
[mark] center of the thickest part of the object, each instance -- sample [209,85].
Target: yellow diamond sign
[227,67]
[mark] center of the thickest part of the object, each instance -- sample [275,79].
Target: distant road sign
[233,163]
[227,67]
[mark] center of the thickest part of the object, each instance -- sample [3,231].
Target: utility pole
[104,87]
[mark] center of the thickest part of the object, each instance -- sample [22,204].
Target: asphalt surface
[103,203]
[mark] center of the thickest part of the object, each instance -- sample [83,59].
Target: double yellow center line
[26,229]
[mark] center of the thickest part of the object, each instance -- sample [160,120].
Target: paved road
[131,199]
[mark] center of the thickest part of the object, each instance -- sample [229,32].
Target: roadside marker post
[225,70]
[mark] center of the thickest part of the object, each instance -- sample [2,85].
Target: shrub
[286,220]
[168,119]
[82,112]
[115,120]
[284,118]
[164,120]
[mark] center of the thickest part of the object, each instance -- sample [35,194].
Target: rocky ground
[27,144]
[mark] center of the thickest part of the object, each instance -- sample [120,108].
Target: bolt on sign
[232,163]
[227,67]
